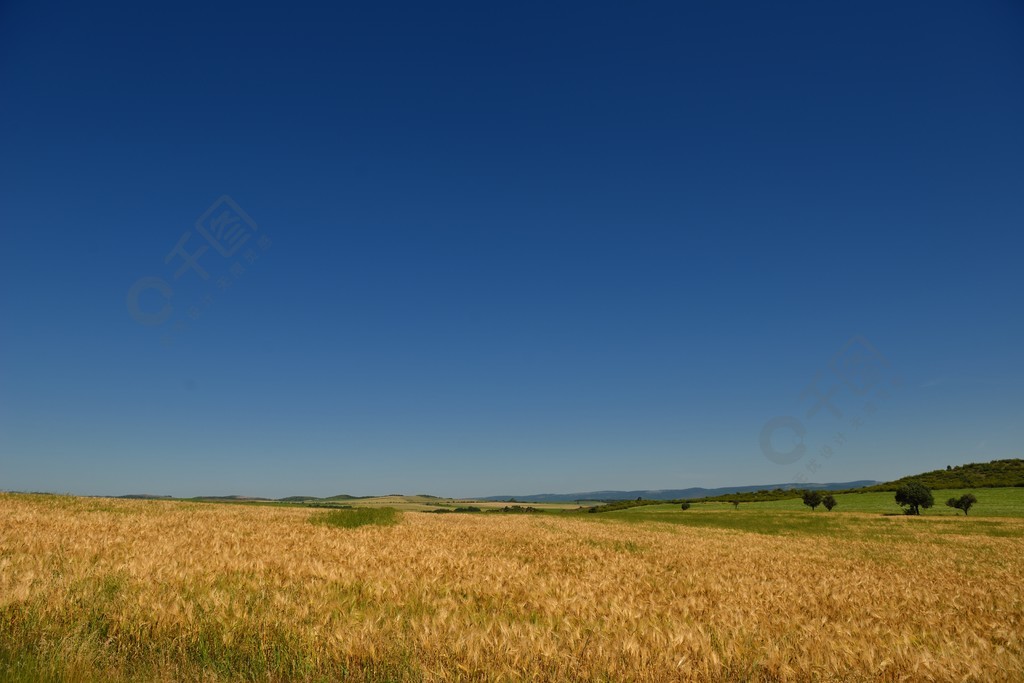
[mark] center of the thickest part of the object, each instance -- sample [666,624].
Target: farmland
[999,502]
[100,589]
[418,503]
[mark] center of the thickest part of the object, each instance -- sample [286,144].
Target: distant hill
[222,499]
[994,474]
[997,473]
[673,494]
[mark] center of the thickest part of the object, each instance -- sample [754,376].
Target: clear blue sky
[507,249]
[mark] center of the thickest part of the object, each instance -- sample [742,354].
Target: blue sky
[508,249]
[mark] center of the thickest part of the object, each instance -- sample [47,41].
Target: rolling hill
[672,494]
[994,474]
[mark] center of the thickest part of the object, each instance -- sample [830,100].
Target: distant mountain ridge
[996,473]
[674,494]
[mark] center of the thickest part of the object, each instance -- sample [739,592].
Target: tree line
[912,496]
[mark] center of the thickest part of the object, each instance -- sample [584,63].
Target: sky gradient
[508,250]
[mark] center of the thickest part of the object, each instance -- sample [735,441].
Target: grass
[994,502]
[356,517]
[165,591]
[807,523]
[789,517]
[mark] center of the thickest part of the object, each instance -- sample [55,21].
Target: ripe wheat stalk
[154,590]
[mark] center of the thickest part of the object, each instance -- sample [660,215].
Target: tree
[964,502]
[829,502]
[684,506]
[812,499]
[914,496]
[735,504]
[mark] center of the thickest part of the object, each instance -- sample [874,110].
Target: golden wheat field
[107,590]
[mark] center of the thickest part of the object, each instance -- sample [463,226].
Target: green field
[997,502]
[876,515]
[992,502]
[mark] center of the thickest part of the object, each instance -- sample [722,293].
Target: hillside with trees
[997,473]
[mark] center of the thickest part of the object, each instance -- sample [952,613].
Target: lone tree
[735,503]
[684,506]
[914,496]
[829,502]
[964,502]
[812,499]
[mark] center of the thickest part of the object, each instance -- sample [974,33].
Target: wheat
[156,590]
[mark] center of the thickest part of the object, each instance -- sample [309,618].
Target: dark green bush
[812,499]
[354,517]
[914,496]
[964,502]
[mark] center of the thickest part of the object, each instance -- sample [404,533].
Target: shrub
[684,506]
[471,508]
[812,499]
[516,509]
[964,502]
[353,517]
[914,496]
